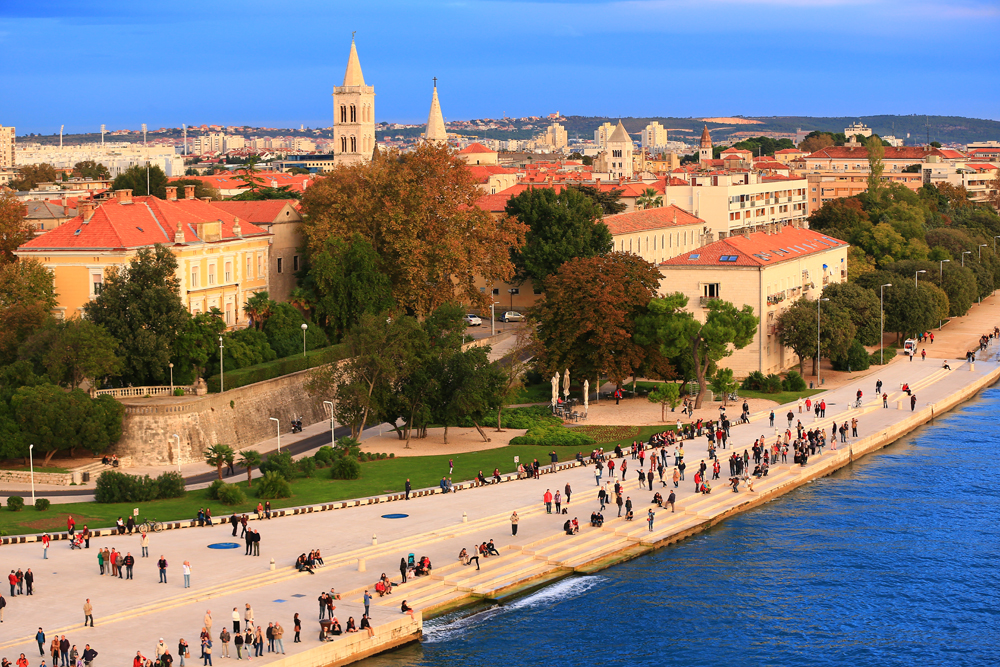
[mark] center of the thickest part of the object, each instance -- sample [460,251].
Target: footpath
[361,542]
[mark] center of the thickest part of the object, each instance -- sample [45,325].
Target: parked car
[473,320]
[512,316]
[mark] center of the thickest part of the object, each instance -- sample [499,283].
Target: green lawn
[24,468]
[377,477]
[534,393]
[781,397]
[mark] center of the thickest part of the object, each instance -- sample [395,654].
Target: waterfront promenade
[132,615]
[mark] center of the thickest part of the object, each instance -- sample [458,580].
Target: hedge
[279,367]
[553,436]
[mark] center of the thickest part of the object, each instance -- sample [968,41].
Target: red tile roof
[760,249]
[475,148]
[144,222]
[263,212]
[861,153]
[494,203]
[788,151]
[770,164]
[653,218]
[482,172]
[232,181]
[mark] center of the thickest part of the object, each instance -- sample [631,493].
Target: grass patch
[603,434]
[377,477]
[781,397]
[38,468]
[534,393]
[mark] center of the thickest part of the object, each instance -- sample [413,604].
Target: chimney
[746,233]
[237,230]
[24,210]
[188,192]
[86,210]
[123,196]
[179,235]
[171,192]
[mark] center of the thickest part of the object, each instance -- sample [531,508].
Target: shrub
[272,485]
[307,467]
[279,367]
[793,382]
[281,464]
[772,384]
[169,485]
[888,354]
[519,418]
[753,382]
[324,456]
[348,446]
[178,392]
[15,503]
[213,489]
[345,467]
[42,504]
[553,436]
[231,494]
[392,455]
[855,360]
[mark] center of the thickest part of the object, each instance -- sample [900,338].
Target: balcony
[704,301]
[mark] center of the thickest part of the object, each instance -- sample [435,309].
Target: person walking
[162,567]
[40,638]
[514,518]
[569,492]
[408,488]
[88,613]
[234,521]
[144,543]
[45,546]
[913,402]
[297,626]
[619,502]
[791,417]
[186,565]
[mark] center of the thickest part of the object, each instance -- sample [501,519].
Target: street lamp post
[31,463]
[818,359]
[995,244]
[333,439]
[941,281]
[222,372]
[304,327]
[277,424]
[178,451]
[981,246]
[916,276]
[881,330]
[967,252]
[171,378]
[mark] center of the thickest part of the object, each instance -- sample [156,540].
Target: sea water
[893,560]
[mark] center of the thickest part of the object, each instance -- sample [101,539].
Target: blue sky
[274,63]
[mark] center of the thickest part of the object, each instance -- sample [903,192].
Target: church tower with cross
[436,132]
[353,114]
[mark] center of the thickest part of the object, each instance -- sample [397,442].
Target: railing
[706,299]
[139,392]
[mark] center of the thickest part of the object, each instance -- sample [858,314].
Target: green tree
[284,331]
[561,226]
[219,455]
[797,330]
[347,283]
[54,420]
[861,305]
[196,346]
[249,459]
[201,189]
[30,175]
[595,335]
[910,310]
[876,152]
[27,298]
[135,178]
[649,198]
[678,332]
[140,306]
[723,383]
[469,387]
[15,230]
[264,193]
[668,393]
[250,175]
[81,350]
[608,200]
[258,308]
[90,169]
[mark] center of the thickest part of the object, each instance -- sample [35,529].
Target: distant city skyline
[274,65]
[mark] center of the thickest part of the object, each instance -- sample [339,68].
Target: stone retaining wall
[24,477]
[239,417]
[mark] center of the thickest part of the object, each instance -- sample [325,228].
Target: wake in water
[454,626]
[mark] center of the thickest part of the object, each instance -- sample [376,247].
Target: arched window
[343,113]
[354,114]
[354,143]
[630,245]
[343,144]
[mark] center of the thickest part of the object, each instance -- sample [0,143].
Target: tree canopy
[90,169]
[30,175]
[27,298]
[418,212]
[15,230]
[134,179]
[561,226]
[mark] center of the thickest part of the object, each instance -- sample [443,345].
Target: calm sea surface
[894,560]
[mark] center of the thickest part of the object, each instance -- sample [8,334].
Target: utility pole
[146,150]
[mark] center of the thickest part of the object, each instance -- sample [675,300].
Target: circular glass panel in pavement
[395,516]
[224,545]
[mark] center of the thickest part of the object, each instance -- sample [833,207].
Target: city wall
[238,418]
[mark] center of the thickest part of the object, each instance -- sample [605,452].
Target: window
[354,144]
[694,257]
[211,274]
[343,144]
[260,265]
[354,114]
[97,280]
[343,113]
[229,272]
[295,263]
[249,268]
[194,277]
[496,291]
[279,265]
[710,290]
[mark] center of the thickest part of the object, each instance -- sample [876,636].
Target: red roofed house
[476,153]
[282,219]
[492,178]
[657,234]
[222,259]
[766,270]
[855,158]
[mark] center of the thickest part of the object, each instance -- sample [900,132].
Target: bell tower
[353,114]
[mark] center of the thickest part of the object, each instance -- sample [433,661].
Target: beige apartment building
[855,158]
[766,270]
[824,186]
[657,234]
[730,202]
[7,146]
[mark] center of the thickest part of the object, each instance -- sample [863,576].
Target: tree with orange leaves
[418,211]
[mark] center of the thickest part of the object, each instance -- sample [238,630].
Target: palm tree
[218,456]
[649,199]
[304,299]
[249,459]
[258,308]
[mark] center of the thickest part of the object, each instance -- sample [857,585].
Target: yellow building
[766,270]
[221,259]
